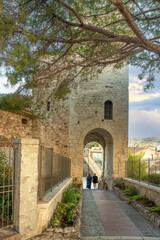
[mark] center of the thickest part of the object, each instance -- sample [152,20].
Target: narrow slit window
[108,110]
[48,106]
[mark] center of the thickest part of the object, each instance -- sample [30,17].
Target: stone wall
[48,204]
[30,216]
[69,121]
[25,211]
[87,115]
[14,126]
[52,130]
[145,211]
[152,192]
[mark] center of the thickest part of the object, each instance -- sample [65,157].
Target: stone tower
[87,122]
[83,118]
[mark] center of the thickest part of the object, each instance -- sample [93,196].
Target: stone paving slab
[146,227]
[114,220]
[92,227]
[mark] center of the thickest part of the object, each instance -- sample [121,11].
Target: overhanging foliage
[49,42]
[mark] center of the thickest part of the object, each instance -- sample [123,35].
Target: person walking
[95,181]
[89,180]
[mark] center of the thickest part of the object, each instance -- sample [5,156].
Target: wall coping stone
[149,186]
[28,141]
[56,190]
[49,201]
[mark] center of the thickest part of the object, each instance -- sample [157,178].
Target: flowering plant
[65,214]
[67,211]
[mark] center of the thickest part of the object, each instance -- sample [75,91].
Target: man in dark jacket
[95,181]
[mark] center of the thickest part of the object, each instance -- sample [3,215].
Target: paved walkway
[104,216]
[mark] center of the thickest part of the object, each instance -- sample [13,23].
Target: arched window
[108,110]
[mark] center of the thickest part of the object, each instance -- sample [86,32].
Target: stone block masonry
[14,126]
[79,118]
[87,121]
[25,215]
[30,216]
[152,192]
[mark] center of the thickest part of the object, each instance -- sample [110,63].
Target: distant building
[151,157]
[149,153]
[158,147]
[155,168]
[134,142]
[145,143]
[149,144]
[96,153]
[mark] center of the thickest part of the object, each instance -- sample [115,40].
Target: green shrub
[136,197]
[67,210]
[5,180]
[78,196]
[146,201]
[131,191]
[6,205]
[133,165]
[71,194]
[15,102]
[154,178]
[145,177]
[155,209]
[120,185]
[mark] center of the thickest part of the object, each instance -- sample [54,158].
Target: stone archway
[104,138]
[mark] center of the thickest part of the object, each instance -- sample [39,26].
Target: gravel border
[91,224]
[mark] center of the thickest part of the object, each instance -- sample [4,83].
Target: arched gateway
[88,122]
[104,138]
[95,110]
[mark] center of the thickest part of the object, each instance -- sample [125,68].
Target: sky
[144,107]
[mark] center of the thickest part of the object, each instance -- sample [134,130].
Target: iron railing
[145,170]
[6,184]
[53,169]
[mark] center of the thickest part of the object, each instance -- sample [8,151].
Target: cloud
[138,96]
[144,123]
[148,105]
[136,88]
[144,107]
[8,88]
